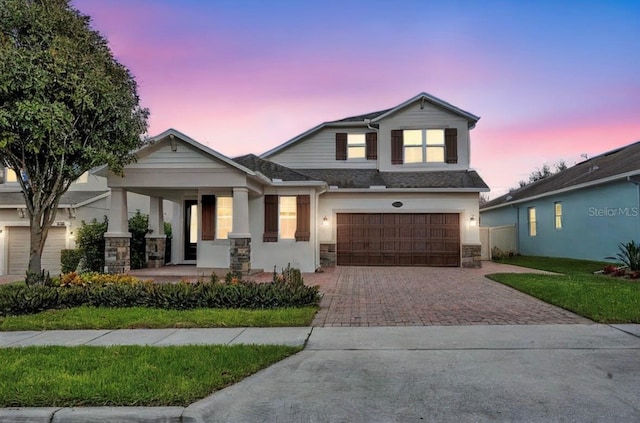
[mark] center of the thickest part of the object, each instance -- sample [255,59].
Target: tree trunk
[38,237]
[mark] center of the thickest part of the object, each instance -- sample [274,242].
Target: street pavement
[475,373]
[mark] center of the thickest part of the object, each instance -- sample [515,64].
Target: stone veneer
[327,255]
[117,254]
[471,255]
[155,247]
[240,255]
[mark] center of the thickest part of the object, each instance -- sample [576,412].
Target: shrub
[90,241]
[629,255]
[70,260]
[139,228]
[102,290]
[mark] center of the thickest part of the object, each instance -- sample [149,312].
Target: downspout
[635,179]
[517,229]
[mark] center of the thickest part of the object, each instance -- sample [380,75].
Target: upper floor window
[350,146]
[356,146]
[531,211]
[558,214]
[424,146]
[83,179]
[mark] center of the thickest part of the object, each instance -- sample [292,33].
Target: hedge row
[15,300]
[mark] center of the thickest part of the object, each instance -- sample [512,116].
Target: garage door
[19,250]
[399,239]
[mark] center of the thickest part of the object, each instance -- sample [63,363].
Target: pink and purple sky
[551,80]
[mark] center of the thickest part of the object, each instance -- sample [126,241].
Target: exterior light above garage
[472,220]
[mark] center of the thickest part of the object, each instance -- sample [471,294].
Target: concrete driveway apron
[423,296]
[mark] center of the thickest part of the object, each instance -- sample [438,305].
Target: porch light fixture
[472,220]
[325,221]
[174,143]
[21,213]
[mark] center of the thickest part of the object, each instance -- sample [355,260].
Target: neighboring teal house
[582,212]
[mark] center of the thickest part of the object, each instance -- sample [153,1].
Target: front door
[191,230]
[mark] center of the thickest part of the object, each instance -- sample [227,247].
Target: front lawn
[600,298]
[152,318]
[126,375]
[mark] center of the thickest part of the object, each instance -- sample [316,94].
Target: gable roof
[375,117]
[150,147]
[68,199]
[365,178]
[616,164]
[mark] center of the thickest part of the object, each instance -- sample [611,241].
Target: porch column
[240,236]
[156,239]
[117,239]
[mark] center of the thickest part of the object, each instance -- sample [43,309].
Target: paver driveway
[404,296]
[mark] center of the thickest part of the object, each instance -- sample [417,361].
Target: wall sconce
[174,143]
[21,213]
[325,221]
[71,236]
[71,212]
[472,220]
[0,230]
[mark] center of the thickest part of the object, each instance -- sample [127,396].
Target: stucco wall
[466,204]
[595,220]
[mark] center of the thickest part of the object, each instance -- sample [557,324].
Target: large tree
[66,106]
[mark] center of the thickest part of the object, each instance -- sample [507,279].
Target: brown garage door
[399,239]
[19,243]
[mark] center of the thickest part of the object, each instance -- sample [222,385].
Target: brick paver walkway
[402,296]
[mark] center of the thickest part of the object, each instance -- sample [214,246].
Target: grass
[126,375]
[600,298]
[141,317]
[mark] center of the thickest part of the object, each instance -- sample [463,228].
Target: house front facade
[389,188]
[583,212]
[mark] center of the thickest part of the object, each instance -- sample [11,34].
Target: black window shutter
[372,145]
[270,218]
[396,146]
[451,144]
[341,146]
[303,218]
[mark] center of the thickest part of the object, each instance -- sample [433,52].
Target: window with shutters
[424,146]
[224,217]
[287,217]
[356,146]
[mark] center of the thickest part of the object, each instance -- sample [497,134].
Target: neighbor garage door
[19,250]
[398,239]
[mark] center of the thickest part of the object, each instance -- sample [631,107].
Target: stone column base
[117,253]
[155,247]
[328,257]
[240,255]
[471,255]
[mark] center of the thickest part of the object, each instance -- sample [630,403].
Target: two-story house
[389,188]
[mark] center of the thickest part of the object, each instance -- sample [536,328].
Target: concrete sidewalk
[385,374]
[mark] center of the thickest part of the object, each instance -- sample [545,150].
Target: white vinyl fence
[500,239]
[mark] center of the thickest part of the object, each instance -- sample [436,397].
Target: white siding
[413,117]
[318,151]
[186,156]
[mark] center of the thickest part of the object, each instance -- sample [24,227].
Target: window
[532,221]
[424,146]
[11,176]
[83,179]
[558,214]
[287,217]
[224,217]
[356,146]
